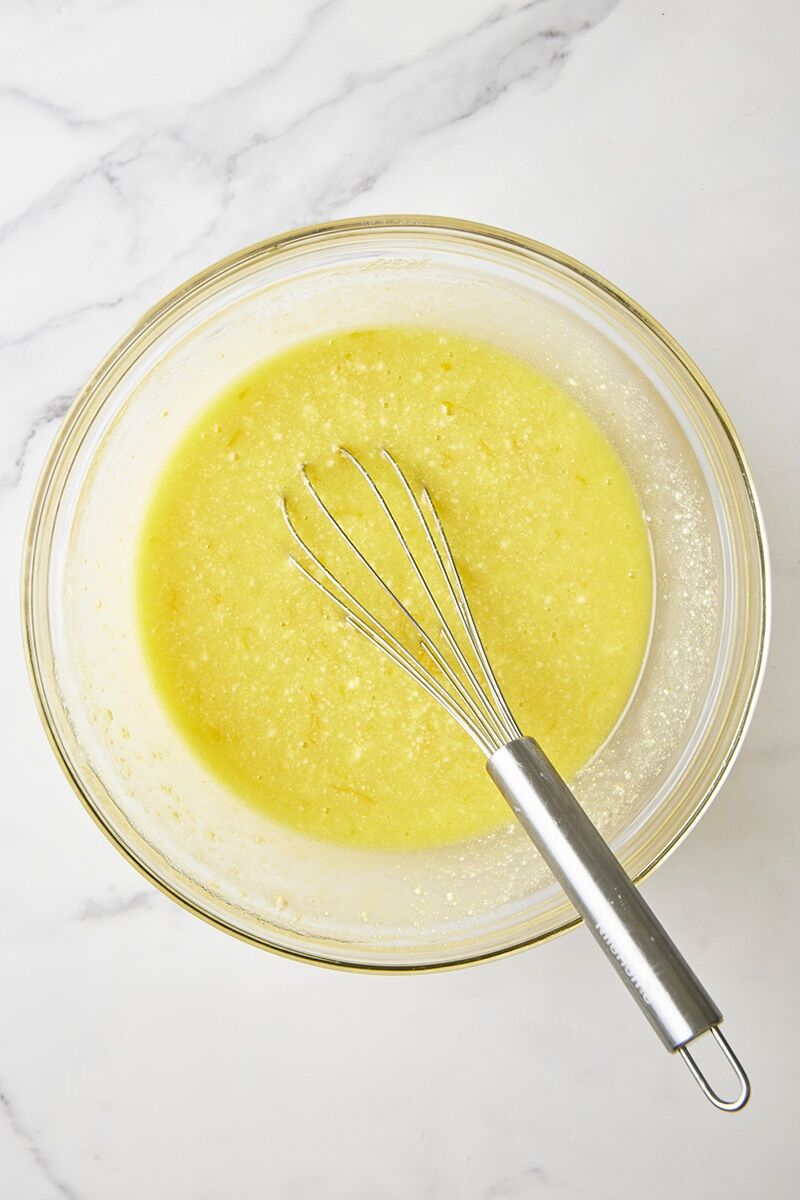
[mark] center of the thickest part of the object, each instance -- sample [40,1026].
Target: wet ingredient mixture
[289,706]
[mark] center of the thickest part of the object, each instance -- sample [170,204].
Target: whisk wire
[488,724]
[444,628]
[380,637]
[507,727]
[463,606]
[375,632]
[428,644]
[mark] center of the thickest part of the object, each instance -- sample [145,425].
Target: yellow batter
[292,709]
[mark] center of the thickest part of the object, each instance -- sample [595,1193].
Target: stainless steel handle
[647,960]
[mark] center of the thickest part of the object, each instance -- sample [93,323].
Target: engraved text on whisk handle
[624,926]
[614,953]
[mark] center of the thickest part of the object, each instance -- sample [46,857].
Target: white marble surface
[144,1054]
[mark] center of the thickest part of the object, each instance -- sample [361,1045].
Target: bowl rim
[127,346]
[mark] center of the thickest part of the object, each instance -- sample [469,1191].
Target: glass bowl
[647,784]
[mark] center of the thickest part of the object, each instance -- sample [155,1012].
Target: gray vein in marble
[516,58]
[270,70]
[115,906]
[525,50]
[63,114]
[52,411]
[19,1131]
[50,200]
[73,120]
[444,85]
[59,321]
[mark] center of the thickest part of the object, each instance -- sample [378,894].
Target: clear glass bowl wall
[231,865]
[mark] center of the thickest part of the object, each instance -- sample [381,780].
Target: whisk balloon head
[442,650]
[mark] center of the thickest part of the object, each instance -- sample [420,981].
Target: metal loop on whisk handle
[647,960]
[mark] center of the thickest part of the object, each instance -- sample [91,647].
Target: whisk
[455,670]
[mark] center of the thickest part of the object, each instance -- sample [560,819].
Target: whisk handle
[647,960]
